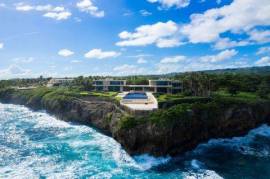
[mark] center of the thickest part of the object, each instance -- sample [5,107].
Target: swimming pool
[136,96]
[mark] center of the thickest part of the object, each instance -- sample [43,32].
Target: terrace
[138,101]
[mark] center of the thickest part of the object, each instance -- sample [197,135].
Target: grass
[167,97]
[104,94]
[240,95]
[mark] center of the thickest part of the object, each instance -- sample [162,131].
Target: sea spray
[37,145]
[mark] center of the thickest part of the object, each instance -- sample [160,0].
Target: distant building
[157,86]
[60,82]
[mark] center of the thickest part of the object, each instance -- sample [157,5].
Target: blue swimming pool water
[136,96]
[37,145]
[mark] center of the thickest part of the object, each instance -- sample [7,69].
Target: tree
[264,89]
[233,87]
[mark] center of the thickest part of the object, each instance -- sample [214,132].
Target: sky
[131,37]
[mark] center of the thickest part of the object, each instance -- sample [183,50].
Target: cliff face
[153,138]
[186,135]
[95,112]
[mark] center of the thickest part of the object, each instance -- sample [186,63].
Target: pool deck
[140,105]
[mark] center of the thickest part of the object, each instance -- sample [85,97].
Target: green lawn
[243,95]
[104,94]
[167,97]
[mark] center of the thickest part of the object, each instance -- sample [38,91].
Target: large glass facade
[114,88]
[98,82]
[116,83]
[176,84]
[162,90]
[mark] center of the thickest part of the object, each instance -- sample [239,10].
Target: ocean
[37,145]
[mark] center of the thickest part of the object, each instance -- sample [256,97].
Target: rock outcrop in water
[154,138]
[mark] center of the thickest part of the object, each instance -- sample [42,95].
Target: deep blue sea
[37,145]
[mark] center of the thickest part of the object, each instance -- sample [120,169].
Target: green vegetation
[104,94]
[165,117]
[129,122]
[207,92]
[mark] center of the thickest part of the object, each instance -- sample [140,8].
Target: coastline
[202,123]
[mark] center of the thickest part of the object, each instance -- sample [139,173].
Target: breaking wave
[37,145]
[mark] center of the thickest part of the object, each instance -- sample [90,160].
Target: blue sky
[125,37]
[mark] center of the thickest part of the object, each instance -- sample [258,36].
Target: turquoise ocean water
[37,145]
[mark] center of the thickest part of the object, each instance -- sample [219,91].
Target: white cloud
[263,50]
[161,34]
[144,12]
[141,61]
[224,55]
[88,6]
[13,71]
[175,59]
[225,43]
[24,7]
[1,45]
[58,15]
[27,7]
[241,16]
[128,70]
[65,52]
[264,61]
[171,3]
[260,36]
[99,54]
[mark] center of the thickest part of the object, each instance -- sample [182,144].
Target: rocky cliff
[185,132]
[184,135]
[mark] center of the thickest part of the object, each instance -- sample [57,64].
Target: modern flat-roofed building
[60,82]
[109,85]
[157,86]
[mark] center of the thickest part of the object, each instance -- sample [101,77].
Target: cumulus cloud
[141,61]
[260,36]
[224,55]
[65,52]
[225,43]
[14,71]
[57,13]
[241,16]
[175,59]
[88,7]
[128,70]
[1,45]
[161,34]
[264,61]
[99,54]
[263,50]
[171,3]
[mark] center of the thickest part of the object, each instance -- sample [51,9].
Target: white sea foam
[95,154]
[242,145]
[203,174]
[147,161]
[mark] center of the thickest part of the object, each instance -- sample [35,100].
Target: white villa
[156,86]
[59,82]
